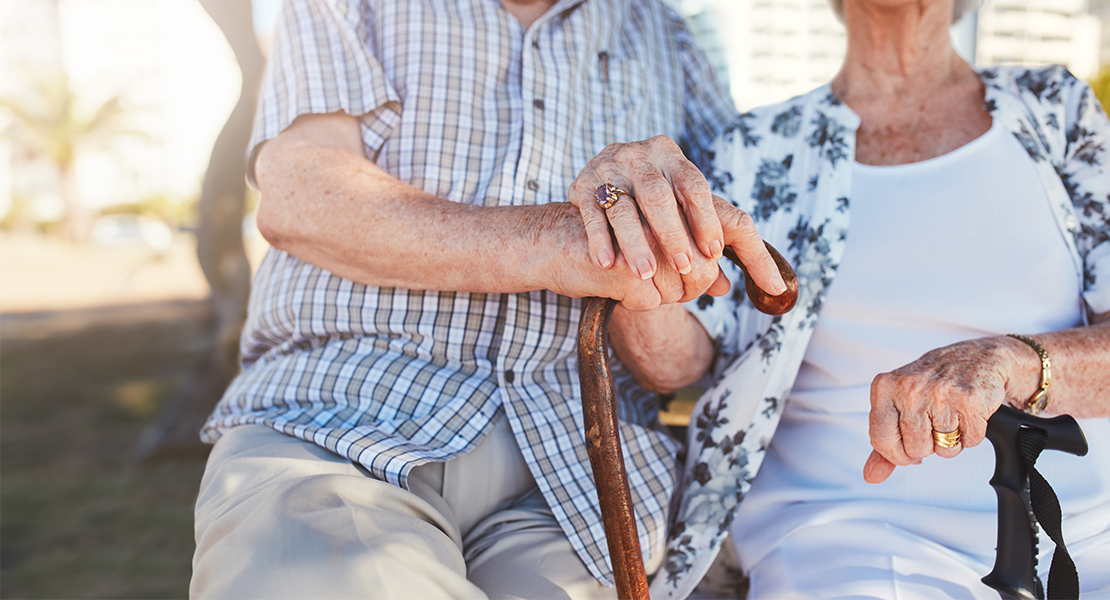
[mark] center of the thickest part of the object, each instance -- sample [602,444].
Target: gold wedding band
[608,194]
[946,440]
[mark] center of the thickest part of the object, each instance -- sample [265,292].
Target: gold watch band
[1039,400]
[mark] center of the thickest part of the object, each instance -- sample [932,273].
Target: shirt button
[509,376]
[538,104]
[1071,222]
[533,185]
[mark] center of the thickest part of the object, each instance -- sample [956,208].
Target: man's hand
[575,274]
[667,285]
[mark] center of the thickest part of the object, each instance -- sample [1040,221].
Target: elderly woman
[929,210]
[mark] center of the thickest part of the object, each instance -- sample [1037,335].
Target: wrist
[557,252]
[1029,385]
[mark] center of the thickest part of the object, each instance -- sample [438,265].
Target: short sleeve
[1086,175]
[322,61]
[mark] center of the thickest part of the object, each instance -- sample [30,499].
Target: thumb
[877,468]
[720,286]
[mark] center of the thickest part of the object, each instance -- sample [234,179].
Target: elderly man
[407,422]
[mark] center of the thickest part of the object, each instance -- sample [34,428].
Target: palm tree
[50,125]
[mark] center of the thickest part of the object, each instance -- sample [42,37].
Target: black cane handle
[1015,567]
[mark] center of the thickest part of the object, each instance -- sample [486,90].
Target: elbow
[271,226]
[665,374]
[664,385]
[272,218]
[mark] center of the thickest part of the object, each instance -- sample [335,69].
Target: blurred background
[127,240]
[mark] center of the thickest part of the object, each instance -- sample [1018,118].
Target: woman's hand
[669,191]
[670,216]
[957,387]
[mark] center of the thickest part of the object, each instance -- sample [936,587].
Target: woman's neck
[897,47]
[916,98]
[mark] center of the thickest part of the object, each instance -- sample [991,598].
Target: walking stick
[1012,432]
[599,414]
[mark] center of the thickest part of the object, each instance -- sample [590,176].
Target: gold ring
[946,440]
[608,194]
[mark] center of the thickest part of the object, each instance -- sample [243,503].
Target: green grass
[79,517]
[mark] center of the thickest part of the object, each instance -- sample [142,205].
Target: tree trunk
[221,254]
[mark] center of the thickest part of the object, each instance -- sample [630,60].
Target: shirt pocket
[618,110]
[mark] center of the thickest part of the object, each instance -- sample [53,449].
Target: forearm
[1080,359]
[665,348]
[325,203]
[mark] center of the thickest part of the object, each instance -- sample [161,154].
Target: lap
[874,559]
[521,552]
[278,517]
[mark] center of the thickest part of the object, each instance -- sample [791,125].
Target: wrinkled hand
[672,230]
[671,194]
[955,387]
[705,275]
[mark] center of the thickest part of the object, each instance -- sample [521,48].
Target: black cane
[1015,568]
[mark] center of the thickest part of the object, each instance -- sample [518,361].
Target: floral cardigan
[789,165]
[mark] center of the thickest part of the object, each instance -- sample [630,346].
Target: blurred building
[772,49]
[776,49]
[165,60]
[1040,32]
[1100,9]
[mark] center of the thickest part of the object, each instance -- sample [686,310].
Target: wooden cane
[599,415]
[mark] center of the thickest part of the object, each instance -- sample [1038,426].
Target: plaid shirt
[456,99]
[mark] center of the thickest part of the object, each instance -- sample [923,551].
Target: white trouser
[872,559]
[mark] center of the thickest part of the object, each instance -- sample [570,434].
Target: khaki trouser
[278,517]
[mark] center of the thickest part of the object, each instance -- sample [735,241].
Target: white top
[789,165]
[953,248]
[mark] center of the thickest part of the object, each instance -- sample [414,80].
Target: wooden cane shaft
[603,443]
[599,415]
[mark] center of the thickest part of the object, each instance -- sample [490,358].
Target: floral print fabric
[789,166]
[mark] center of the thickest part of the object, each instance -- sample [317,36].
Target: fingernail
[604,258]
[716,247]
[778,286]
[682,263]
[643,268]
